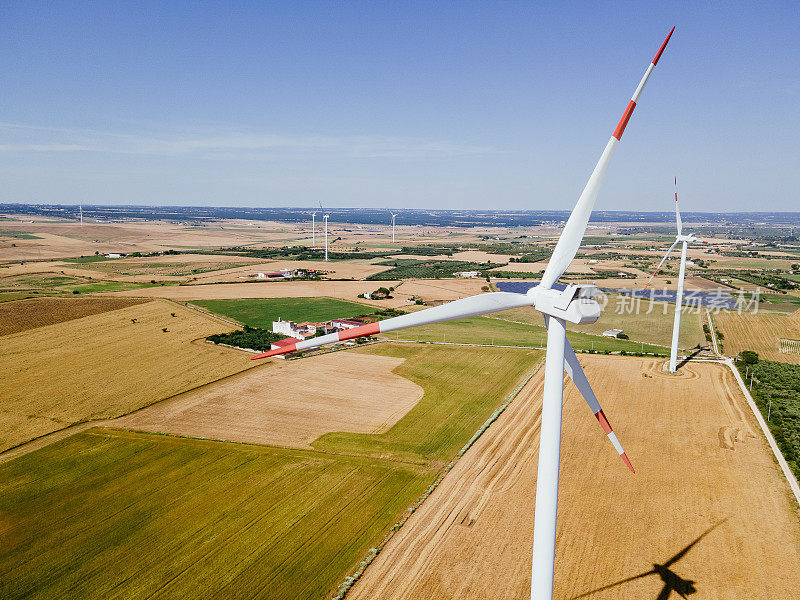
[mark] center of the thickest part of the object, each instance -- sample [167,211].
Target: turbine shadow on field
[672,581]
[697,350]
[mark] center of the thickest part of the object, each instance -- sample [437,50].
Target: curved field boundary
[349,581]
[787,472]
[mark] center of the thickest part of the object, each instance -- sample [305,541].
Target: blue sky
[441,105]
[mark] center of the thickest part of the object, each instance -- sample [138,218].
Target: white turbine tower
[574,303]
[314,229]
[685,240]
[80,206]
[393,217]
[325,219]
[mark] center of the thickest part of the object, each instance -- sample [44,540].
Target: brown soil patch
[700,462]
[22,315]
[289,403]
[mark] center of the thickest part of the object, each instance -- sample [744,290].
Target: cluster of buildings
[286,274]
[300,331]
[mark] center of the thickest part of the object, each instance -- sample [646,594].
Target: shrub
[749,357]
[622,336]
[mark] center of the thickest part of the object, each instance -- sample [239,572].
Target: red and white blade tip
[626,116]
[664,45]
[601,417]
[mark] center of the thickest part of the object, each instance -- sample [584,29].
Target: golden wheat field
[705,481]
[760,332]
[21,315]
[105,365]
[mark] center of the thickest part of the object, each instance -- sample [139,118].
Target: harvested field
[339,269]
[22,315]
[346,290]
[702,467]
[761,332]
[252,406]
[439,290]
[105,365]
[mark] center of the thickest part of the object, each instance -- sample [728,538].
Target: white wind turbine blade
[571,237]
[576,373]
[675,243]
[677,211]
[458,309]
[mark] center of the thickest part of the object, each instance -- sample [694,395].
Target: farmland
[500,332]
[641,322]
[701,463]
[463,385]
[261,312]
[252,406]
[760,332]
[109,513]
[104,365]
[38,312]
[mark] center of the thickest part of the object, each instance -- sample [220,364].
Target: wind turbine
[573,303]
[393,216]
[325,219]
[80,206]
[313,229]
[685,240]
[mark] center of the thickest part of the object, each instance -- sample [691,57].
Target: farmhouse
[612,332]
[282,274]
[296,330]
[340,324]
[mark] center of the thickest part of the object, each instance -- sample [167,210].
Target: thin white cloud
[21,138]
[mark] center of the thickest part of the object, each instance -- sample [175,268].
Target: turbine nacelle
[575,303]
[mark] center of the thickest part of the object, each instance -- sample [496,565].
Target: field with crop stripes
[109,513]
[113,514]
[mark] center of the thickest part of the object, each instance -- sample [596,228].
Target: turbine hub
[575,304]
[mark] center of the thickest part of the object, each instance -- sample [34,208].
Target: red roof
[285,342]
[347,321]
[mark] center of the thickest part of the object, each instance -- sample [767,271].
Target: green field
[261,312]
[112,514]
[654,327]
[18,235]
[86,259]
[463,385]
[489,330]
[115,514]
[112,286]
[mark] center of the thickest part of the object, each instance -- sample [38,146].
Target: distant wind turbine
[393,216]
[313,229]
[685,240]
[325,219]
